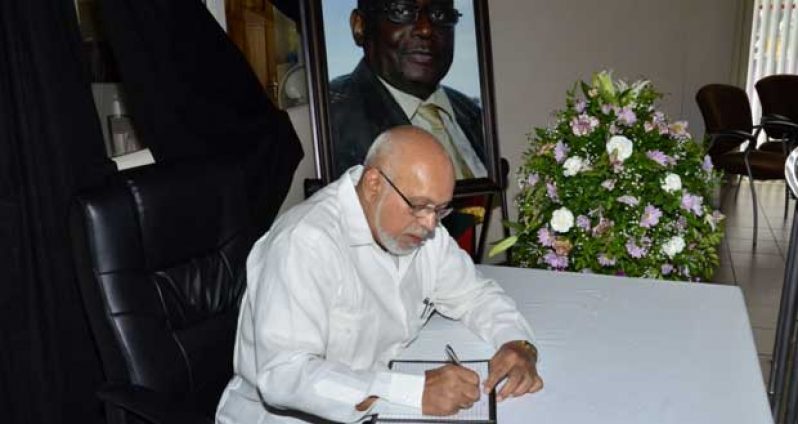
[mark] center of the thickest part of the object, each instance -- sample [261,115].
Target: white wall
[541,47]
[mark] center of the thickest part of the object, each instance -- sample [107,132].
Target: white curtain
[774,44]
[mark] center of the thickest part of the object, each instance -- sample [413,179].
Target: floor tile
[762,316]
[764,339]
[758,261]
[724,274]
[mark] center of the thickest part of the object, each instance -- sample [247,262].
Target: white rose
[572,166]
[620,146]
[672,183]
[562,220]
[673,247]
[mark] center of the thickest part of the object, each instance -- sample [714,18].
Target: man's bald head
[408,149]
[406,167]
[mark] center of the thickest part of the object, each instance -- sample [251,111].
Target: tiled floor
[758,271]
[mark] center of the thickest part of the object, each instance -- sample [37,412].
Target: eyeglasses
[406,13]
[419,211]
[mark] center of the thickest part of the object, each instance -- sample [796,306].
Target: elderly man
[344,281]
[408,47]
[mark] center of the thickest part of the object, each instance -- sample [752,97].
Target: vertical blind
[774,44]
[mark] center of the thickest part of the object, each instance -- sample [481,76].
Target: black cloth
[50,148]
[192,94]
[361,108]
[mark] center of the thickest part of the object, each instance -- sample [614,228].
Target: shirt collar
[353,218]
[410,103]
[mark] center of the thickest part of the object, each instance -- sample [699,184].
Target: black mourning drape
[192,93]
[50,147]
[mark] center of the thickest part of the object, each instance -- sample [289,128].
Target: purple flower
[626,116]
[545,237]
[602,227]
[605,260]
[608,184]
[584,124]
[651,216]
[692,203]
[555,261]
[580,105]
[659,157]
[629,200]
[666,269]
[560,152]
[583,222]
[532,179]
[551,191]
[605,109]
[658,118]
[636,251]
[707,165]
[678,130]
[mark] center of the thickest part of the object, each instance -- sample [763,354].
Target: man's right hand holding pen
[451,388]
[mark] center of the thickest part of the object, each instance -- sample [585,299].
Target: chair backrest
[724,107]
[778,95]
[161,253]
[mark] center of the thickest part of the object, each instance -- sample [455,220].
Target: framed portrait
[377,64]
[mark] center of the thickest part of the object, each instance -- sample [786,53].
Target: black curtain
[192,93]
[50,147]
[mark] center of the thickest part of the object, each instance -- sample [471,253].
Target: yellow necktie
[431,114]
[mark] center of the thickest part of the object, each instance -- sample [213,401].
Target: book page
[480,411]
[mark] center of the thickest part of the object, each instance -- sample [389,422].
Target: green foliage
[632,189]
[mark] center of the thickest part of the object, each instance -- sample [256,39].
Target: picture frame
[326,29]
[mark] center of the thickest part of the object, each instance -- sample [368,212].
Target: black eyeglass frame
[418,211]
[386,9]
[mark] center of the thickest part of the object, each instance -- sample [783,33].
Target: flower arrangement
[615,188]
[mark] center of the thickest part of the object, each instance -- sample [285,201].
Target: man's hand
[515,360]
[448,389]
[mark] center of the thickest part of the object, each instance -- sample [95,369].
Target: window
[774,44]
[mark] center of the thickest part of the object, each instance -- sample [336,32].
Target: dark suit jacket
[361,108]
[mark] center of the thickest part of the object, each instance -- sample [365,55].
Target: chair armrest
[779,122]
[149,405]
[742,135]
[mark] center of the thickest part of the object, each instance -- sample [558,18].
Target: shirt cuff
[399,388]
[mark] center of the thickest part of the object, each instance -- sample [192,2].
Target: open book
[483,411]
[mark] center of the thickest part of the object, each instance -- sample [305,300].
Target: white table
[622,350]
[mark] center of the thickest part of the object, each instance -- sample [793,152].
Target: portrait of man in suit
[408,47]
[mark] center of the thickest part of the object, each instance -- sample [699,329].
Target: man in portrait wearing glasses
[344,281]
[408,47]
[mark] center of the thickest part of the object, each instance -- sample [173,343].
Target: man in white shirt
[408,47]
[345,280]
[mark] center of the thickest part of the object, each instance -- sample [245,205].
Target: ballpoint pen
[451,355]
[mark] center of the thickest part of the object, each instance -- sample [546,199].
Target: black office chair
[777,94]
[727,117]
[160,253]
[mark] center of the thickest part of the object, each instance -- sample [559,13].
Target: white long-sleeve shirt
[326,309]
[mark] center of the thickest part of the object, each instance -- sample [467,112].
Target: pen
[451,355]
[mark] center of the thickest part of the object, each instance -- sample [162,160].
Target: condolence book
[483,411]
